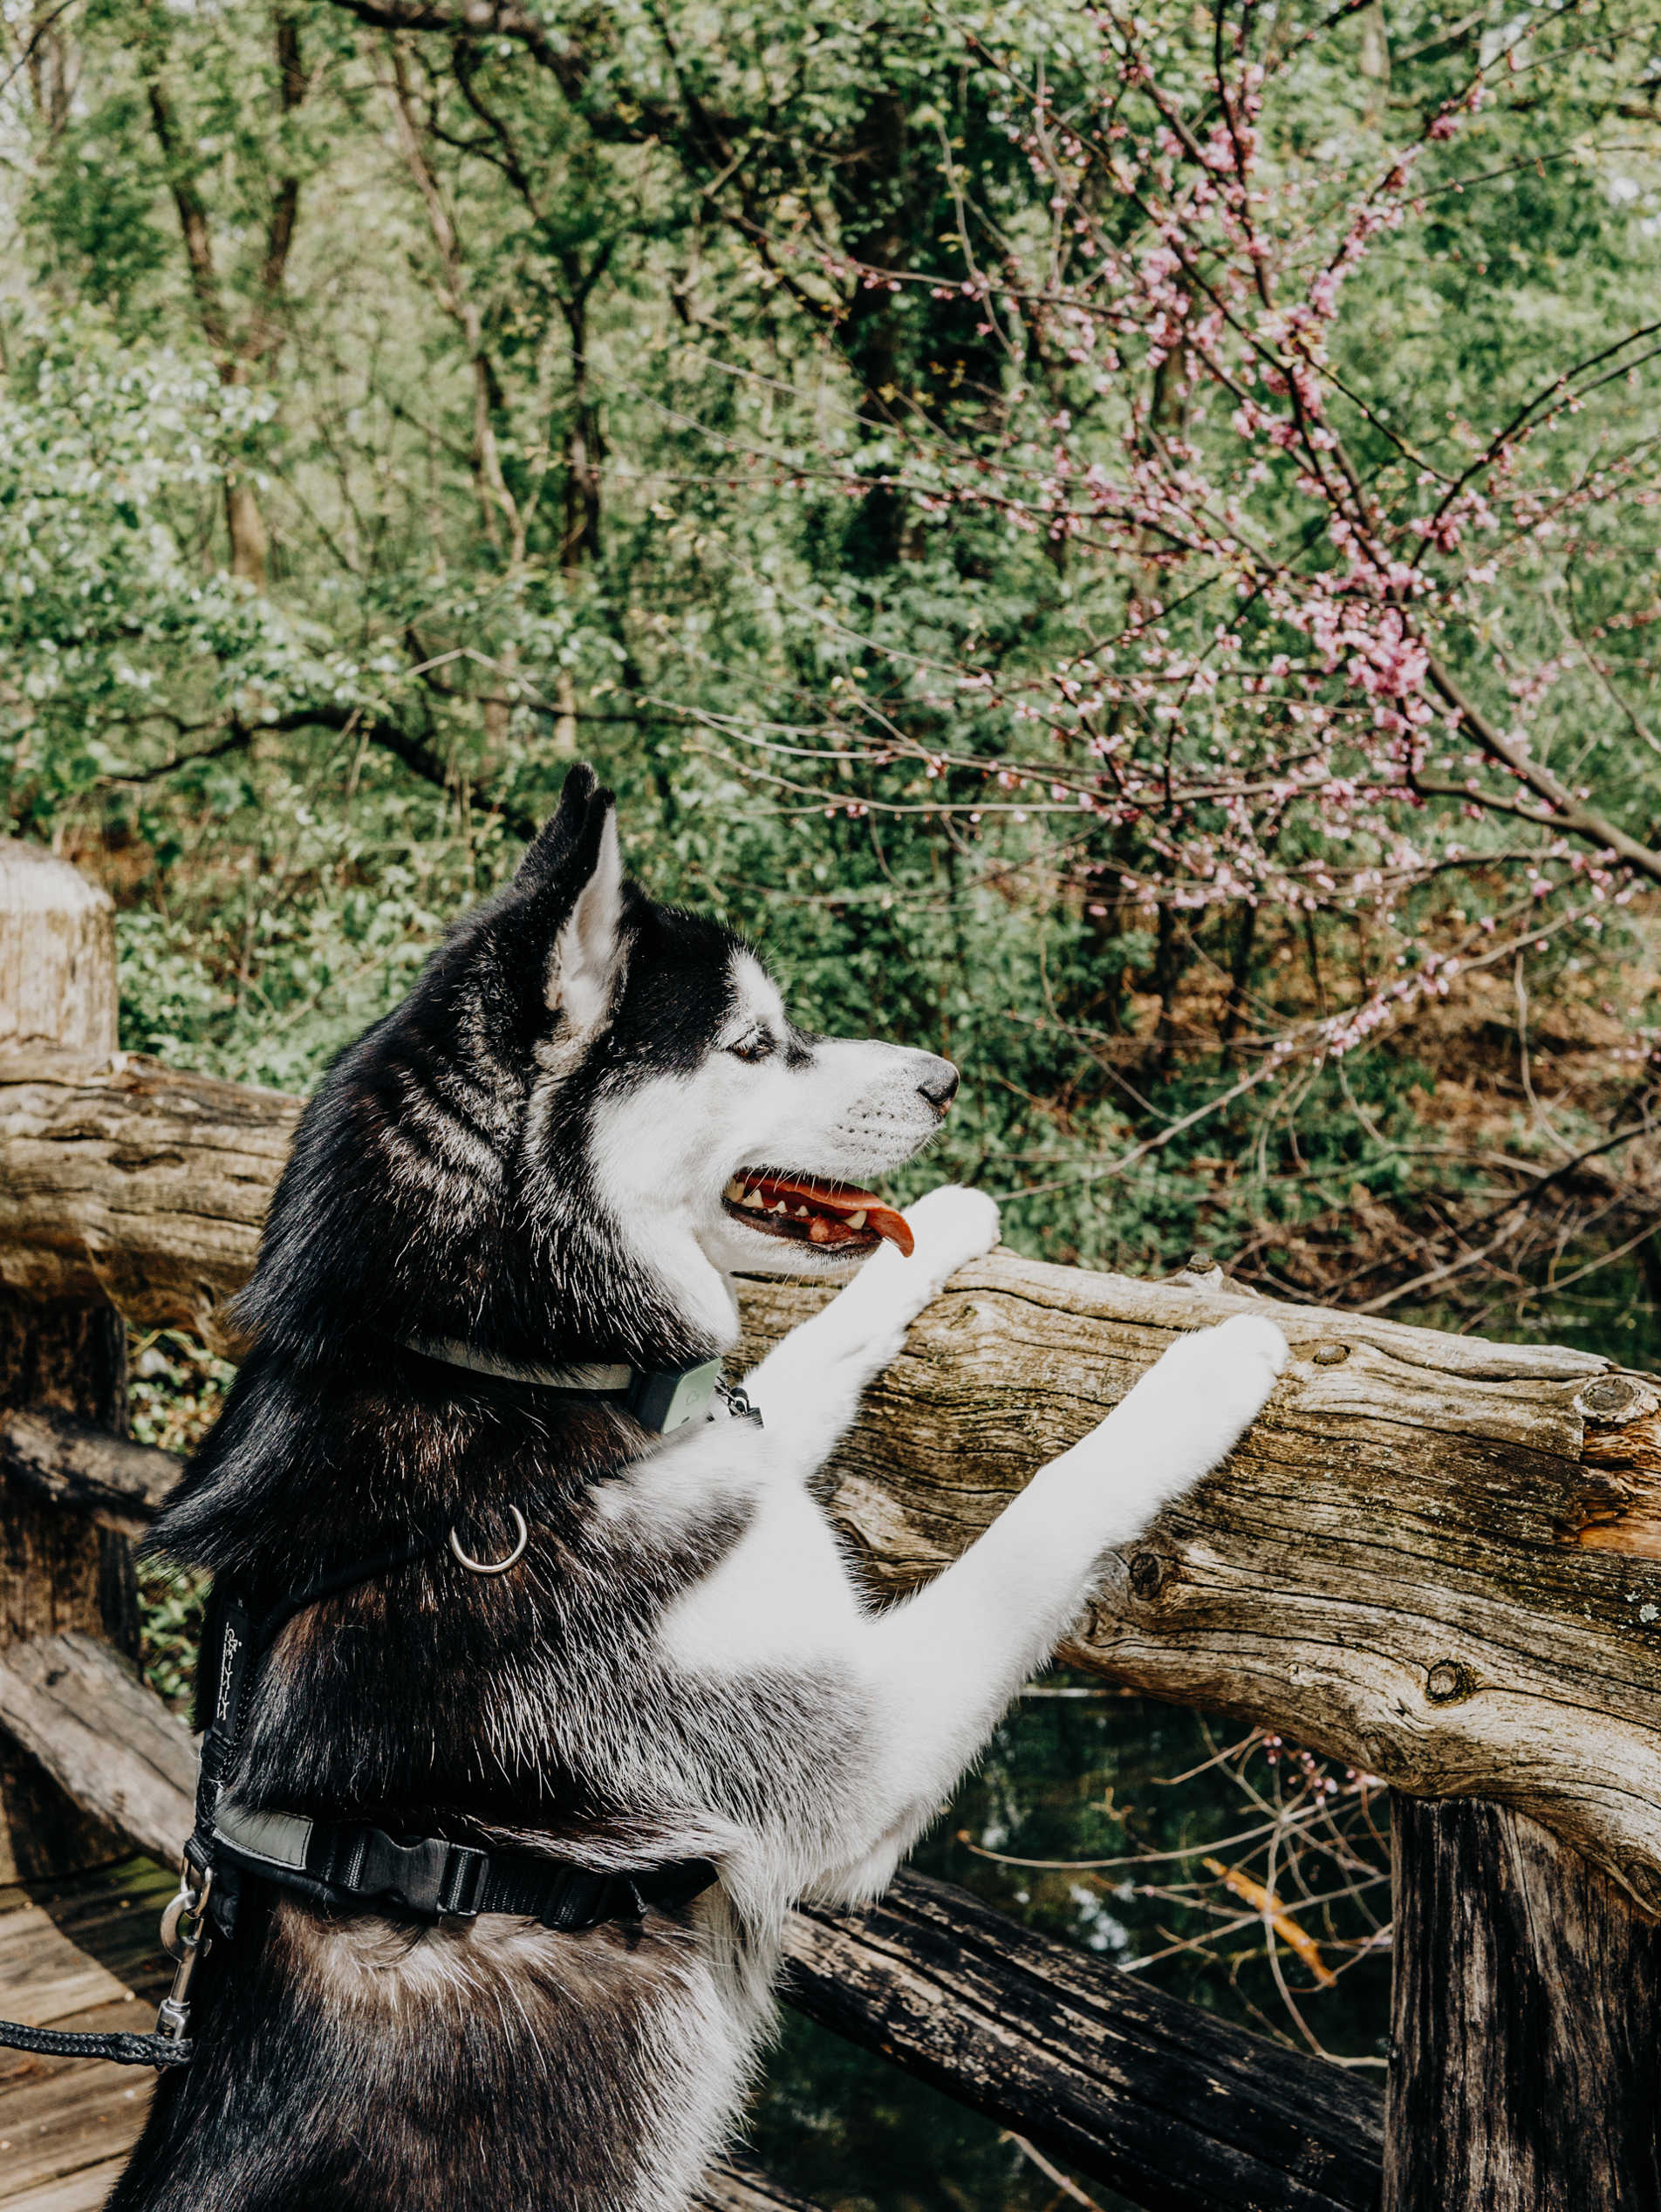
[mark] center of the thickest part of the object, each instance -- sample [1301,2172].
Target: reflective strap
[660,1398]
[277,1841]
[427,1876]
[454,1353]
[325,1859]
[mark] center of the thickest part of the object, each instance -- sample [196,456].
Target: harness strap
[332,1861]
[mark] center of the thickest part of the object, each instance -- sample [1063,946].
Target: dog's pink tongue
[832,1204]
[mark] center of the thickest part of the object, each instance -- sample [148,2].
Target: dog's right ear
[587,955]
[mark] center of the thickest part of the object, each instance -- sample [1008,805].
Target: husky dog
[589,1113]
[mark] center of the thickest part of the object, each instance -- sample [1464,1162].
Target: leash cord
[125,2049]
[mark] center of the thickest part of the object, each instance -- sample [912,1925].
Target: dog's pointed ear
[550,851]
[587,953]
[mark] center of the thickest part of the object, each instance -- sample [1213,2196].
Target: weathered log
[67,1349]
[1525,2018]
[117,1484]
[1178,2110]
[106,1740]
[120,1179]
[1436,1558]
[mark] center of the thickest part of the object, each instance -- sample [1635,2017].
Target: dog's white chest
[781,1596]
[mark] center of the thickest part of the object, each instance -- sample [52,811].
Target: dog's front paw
[1217,1382]
[1183,1418]
[953,1226]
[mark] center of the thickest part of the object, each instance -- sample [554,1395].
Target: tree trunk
[60,1570]
[245,526]
[1526,2024]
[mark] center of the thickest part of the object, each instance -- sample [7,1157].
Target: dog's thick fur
[529,1156]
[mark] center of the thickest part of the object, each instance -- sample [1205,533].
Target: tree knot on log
[1614,1401]
[1149,1572]
[1448,1681]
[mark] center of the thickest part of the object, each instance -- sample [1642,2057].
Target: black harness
[335,1863]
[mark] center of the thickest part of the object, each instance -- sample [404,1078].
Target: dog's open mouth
[815,1212]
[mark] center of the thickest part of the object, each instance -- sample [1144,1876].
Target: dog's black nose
[939,1085]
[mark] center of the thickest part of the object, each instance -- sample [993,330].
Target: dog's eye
[758,1046]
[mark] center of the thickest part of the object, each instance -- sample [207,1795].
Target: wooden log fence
[1436,1558]
[64,1350]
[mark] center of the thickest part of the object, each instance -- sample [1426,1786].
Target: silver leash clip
[186,1946]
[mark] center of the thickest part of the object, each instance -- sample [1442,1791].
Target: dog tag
[738,1403]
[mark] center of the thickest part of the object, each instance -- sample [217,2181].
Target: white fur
[934,1673]
[910,1694]
[583,965]
[901,1700]
[663,1150]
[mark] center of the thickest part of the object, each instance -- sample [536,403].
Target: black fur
[413,1203]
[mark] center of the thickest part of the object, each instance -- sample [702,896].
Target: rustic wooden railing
[1438,1558]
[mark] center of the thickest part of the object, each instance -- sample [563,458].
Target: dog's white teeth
[754,1202]
[734,1191]
[801,1213]
[856,1220]
[780,1208]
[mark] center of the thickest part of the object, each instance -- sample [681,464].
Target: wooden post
[59,1571]
[1526,2022]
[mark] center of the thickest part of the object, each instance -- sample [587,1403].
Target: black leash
[169,2046]
[125,2050]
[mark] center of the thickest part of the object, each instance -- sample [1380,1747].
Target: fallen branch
[120,1485]
[1176,2109]
[106,1740]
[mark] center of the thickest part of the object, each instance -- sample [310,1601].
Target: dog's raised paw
[1234,1367]
[1219,1379]
[953,1226]
[1250,1337]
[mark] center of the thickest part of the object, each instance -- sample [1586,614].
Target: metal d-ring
[494,1566]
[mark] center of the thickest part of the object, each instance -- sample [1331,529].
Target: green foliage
[557,440]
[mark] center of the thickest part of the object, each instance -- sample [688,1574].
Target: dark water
[1091,1777]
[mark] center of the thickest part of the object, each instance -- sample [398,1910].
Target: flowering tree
[1121,544]
[1334,655]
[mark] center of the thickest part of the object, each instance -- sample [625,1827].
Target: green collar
[660,1398]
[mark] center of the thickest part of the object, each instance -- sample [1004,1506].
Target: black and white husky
[590,1112]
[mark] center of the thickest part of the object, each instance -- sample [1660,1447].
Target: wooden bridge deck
[79,1954]
[82,1954]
